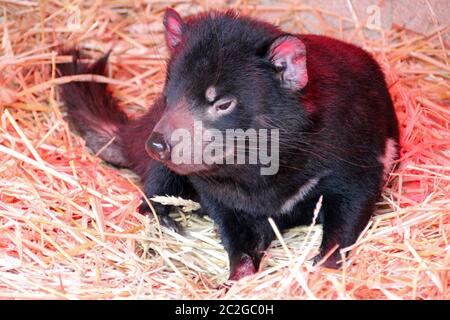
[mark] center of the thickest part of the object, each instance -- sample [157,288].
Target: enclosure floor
[69,226]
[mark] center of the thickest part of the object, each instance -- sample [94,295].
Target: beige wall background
[422,16]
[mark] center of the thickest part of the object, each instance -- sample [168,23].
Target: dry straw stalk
[68,223]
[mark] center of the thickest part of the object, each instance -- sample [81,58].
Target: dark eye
[224,105]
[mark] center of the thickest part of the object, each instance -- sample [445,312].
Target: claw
[201,212]
[163,216]
[331,262]
[169,223]
[224,286]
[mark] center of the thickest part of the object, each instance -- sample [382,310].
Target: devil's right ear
[174,25]
[288,56]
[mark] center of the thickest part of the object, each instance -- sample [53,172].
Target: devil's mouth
[181,169]
[187,169]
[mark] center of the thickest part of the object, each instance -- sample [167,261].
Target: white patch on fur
[299,195]
[387,160]
[211,94]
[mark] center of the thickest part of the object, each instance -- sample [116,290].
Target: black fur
[334,129]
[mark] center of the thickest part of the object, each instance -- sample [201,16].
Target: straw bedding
[69,227]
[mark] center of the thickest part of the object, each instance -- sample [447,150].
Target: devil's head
[225,72]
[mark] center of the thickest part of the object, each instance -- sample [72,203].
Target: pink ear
[174,25]
[288,55]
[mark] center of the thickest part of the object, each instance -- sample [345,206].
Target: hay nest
[68,223]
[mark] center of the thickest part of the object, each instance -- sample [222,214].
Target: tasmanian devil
[326,100]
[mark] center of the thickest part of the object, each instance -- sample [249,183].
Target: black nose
[158,147]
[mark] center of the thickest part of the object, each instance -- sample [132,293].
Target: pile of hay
[68,223]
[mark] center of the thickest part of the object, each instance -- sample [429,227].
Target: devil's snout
[158,147]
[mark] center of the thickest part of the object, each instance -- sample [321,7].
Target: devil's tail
[93,110]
